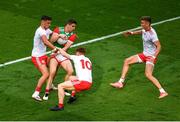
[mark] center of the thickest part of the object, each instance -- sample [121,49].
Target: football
[61,41]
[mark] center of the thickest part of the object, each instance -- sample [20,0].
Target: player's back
[83,67]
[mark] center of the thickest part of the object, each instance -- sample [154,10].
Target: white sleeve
[50,31]
[154,37]
[42,32]
[73,57]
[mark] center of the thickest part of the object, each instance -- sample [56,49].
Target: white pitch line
[92,40]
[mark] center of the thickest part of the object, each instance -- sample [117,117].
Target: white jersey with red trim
[83,67]
[149,37]
[39,48]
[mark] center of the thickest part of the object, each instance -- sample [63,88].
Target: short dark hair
[44,17]
[71,21]
[146,18]
[81,50]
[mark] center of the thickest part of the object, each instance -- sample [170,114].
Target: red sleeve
[56,30]
[73,37]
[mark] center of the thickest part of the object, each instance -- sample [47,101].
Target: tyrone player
[39,57]
[58,60]
[83,79]
[149,56]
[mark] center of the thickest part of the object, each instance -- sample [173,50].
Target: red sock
[38,89]
[61,105]
[47,91]
[73,93]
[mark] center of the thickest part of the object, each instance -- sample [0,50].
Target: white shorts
[59,58]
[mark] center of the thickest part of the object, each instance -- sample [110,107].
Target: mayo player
[67,39]
[83,79]
[149,56]
[39,57]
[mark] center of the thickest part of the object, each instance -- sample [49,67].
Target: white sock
[161,90]
[121,80]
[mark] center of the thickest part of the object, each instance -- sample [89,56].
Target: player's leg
[53,65]
[67,66]
[73,93]
[68,85]
[55,62]
[72,77]
[64,86]
[53,87]
[149,74]
[44,71]
[48,61]
[127,62]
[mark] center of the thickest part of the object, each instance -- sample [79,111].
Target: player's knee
[126,61]
[60,86]
[72,77]
[46,74]
[148,75]
[52,73]
[70,72]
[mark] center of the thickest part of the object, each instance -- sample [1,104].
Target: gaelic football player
[151,50]
[39,57]
[59,60]
[83,79]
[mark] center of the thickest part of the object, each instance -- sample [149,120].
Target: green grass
[137,101]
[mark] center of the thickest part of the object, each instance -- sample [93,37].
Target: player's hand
[59,50]
[126,34]
[55,50]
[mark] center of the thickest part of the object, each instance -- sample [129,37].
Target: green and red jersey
[71,36]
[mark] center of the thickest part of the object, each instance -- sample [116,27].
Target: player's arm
[138,32]
[67,46]
[71,40]
[54,37]
[47,43]
[158,48]
[64,53]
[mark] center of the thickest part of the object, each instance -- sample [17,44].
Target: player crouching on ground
[83,79]
[151,50]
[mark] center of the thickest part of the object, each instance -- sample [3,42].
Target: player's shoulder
[72,37]
[40,29]
[57,29]
[153,31]
[154,35]
[87,58]
[49,30]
